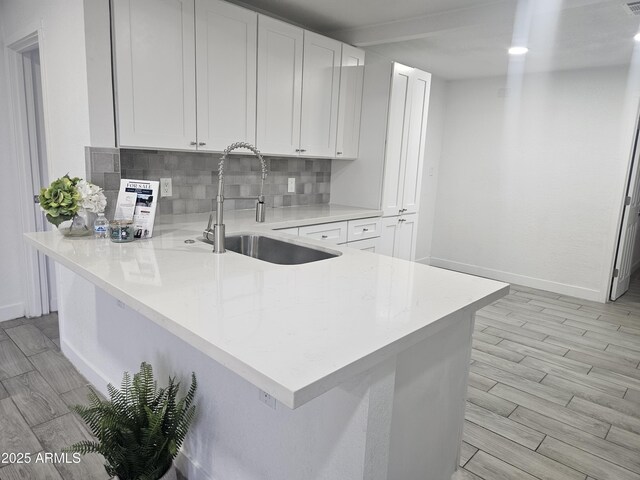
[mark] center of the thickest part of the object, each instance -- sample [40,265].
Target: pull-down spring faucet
[218,227]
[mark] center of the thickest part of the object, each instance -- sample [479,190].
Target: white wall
[530,186]
[11,265]
[66,110]
[432,154]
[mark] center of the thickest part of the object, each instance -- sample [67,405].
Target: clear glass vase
[81,225]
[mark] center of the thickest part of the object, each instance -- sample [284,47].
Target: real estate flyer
[137,201]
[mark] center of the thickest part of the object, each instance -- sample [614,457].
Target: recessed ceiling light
[518,50]
[636,37]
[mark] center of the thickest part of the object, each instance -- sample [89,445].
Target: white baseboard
[99,381]
[532,282]
[9,312]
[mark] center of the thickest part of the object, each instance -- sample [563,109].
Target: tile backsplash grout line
[195,178]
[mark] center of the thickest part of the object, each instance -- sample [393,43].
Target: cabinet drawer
[363,228]
[292,231]
[329,232]
[367,245]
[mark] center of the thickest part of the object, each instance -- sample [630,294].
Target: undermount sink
[274,250]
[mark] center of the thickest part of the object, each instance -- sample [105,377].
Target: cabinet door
[388,235]
[420,87]
[320,89]
[155,73]
[405,240]
[279,86]
[397,136]
[350,102]
[226,60]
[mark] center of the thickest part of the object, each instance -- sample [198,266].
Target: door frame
[632,169]
[36,293]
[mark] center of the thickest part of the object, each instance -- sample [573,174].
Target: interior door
[628,230]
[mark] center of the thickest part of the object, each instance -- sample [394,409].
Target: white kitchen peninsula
[364,357]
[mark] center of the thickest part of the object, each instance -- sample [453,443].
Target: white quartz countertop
[294,331]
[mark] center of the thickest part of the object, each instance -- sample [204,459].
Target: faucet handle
[210,221]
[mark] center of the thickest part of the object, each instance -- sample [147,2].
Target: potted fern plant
[140,430]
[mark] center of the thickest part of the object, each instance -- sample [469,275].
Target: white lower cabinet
[291,231]
[335,232]
[398,236]
[363,233]
[368,245]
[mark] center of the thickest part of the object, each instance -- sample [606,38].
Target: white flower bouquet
[68,200]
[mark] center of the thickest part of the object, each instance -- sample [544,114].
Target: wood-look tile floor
[37,385]
[554,392]
[554,389]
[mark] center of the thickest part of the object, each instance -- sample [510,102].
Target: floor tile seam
[529,449]
[544,400]
[578,447]
[586,328]
[55,392]
[605,421]
[501,436]
[26,423]
[469,459]
[508,463]
[21,350]
[27,357]
[506,371]
[619,360]
[558,421]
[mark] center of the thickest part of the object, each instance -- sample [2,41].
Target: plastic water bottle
[101,227]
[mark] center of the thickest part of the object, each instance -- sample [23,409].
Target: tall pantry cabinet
[403,160]
[387,174]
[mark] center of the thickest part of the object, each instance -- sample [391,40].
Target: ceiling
[469,38]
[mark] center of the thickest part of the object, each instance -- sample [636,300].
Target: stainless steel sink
[274,250]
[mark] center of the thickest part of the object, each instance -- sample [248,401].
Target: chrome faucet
[218,227]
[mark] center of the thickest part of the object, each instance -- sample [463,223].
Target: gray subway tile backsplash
[195,178]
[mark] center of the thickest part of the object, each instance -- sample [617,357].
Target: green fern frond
[141,428]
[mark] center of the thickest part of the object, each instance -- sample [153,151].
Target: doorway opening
[33,168]
[627,251]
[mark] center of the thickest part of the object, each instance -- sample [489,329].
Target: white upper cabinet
[226,56]
[408,108]
[320,89]
[203,74]
[350,102]
[155,73]
[280,49]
